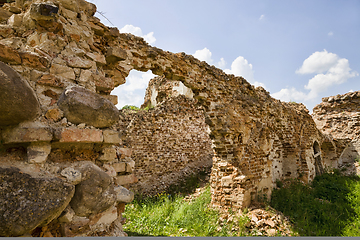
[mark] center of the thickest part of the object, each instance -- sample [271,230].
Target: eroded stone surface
[95,193]
[83,106]
[27,202]
[18,102]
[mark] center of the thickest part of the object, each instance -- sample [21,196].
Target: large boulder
[95,193]
[83,106]
[18,102]
[27,202]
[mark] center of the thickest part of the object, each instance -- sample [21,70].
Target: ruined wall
[339,116]
[61,160]
[69,63]
[169,142]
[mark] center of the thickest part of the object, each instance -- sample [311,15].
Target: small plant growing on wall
[131,107]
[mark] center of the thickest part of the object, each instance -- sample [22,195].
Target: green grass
[131,107]
[329,206]
[166,215]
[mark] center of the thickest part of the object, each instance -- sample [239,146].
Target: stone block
[77,62]
[4,15]
[126,179]
[70,4]
[43,11]
[38,152]
[62,71]
[23,135]
[111,98]
[68,13]
[115,54]
[28,202]
[15,20]
[123,194]
[130,166]
[108,154]
[103,84]
[111,136]
[119,167]
[9,55]
[72,175]
[5,31]
[18,101]
[95,193]
[83,106]
[226,181]
[104,218]
[71,135]
[50,80]
[124,152]
[67,215]
[110,170]
[54,114]
[98,58]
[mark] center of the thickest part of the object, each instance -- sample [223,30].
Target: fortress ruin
[68,156]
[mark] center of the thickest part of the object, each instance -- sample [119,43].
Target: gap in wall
[133,91]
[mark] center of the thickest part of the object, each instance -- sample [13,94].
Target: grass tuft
[173,216]
[329,206]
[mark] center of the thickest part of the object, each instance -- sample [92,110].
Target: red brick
[80,135]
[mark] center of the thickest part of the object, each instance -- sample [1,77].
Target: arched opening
[132,93]
[317,156]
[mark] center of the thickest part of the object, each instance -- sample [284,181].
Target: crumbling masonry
[64,152]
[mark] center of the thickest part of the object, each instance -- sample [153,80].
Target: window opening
[132,93]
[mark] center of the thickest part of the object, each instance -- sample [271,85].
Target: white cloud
[138,32]
[337,74]
[133,91]
[150,38]
[241,67]
[203,55]
[289,94]
[330,34]
[257,84]
[331,70]
[318,62]
[261,17]
[222,63]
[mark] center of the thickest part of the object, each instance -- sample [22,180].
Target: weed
[329,206]
[131,107]
[164,216]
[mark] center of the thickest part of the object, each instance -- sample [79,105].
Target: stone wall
[169,141]
[62,165]
[339,116]
[59,127]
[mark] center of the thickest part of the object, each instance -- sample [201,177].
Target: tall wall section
[170,142]
[339,116]
[61,170]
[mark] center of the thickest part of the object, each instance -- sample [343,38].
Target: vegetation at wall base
[164,215]
[328,206]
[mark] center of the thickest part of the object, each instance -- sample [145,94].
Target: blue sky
[299,50]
